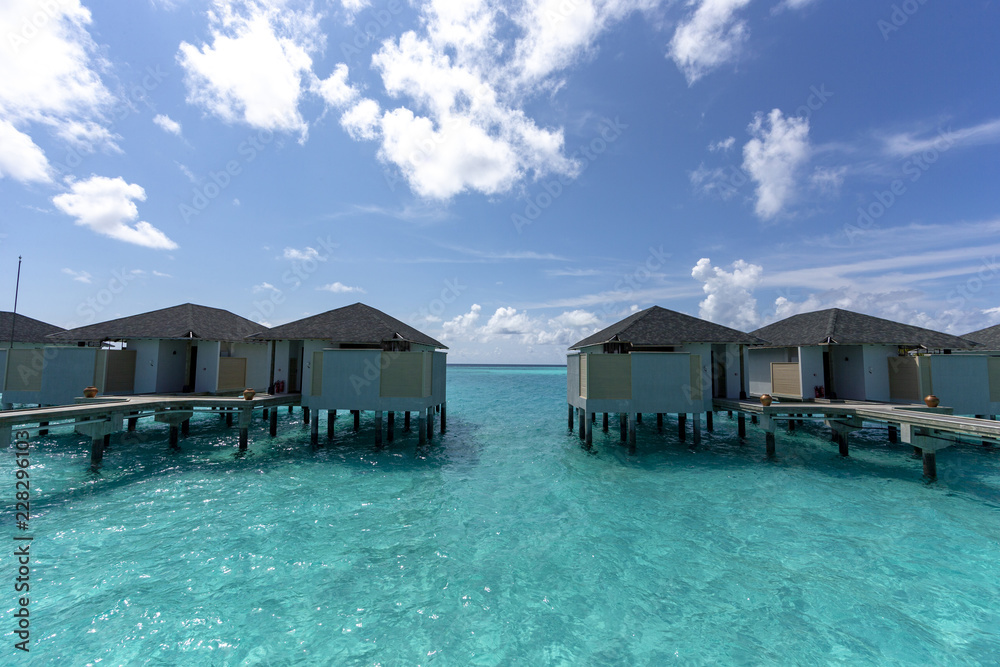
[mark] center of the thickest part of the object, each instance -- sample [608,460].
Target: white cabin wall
[876,365]
[206,375]
[147,355]
[810,369]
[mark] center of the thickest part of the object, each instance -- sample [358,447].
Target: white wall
[847,364]
[206,377]
[170,366]
[961,382]
[147,355]
[811,370]
[876,363]
[280,361]
[258,356]
[759,367]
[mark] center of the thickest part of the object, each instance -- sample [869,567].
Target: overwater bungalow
[654,361]
[358,358]
[843,355]
[181,349]
[22,357]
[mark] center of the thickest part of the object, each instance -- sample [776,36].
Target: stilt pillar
[893,434]
[265,414]
[290,409]
[582,417]
[696,424]
[41,428]
[173,436]
[682,426]
[378,428]
[741,426]
[918,452]
[357,419]
[390,425]
[131,423]
[245,417]
[633,420]
[842,443]
[96,450]
[593,417]
[305,414]
[185,427]
[107,441]
[709,421]
[331,421]
[420,427]
[769,443]
[444,407]
[791,425]
[273,422]
[430,422]
[590,431]
[406,421]
[229,418]
[730,414]
[930,465]
[659,422]
[604,422]
[314,430]
[623,426]
[570,417]
[638,418]
[753,419]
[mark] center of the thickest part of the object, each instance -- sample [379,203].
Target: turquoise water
[504,542]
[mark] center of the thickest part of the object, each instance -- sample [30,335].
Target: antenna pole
[17,288]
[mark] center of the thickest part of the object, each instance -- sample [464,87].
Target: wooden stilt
[265,414]
[930,465]
[173,436]
[314,430]
[682,426]
[659,422]
[741,426]
[305,414]
[331,422]
[107,441]
[96,450]
[41,428]
[229,418]
[430,422]
[893,433]
[791,425]
[633,420]
[390,425]
[357,419]
[842,444]
[709,421]
[132,421]
[273,423]
[378,428]
[753,419]
[918,452]
[604,422]
[570,418]
[638,418]
[593,416]
[730,413]
[406,422]
[696,424]
[582,417]
[420,427]
[623,426]
[185,427]
[444,407]
[590,430]
[244,437]
[290,409]
[769,443]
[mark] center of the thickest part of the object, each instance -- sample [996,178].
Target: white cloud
[507,321]
[264,287]
[160,274]
[340,288]
[106,206]
[462,325]
[828,179]
[709,37]
[167,124]
[334,89]
[306,254]
[362,120]
[722,145]
[20,158]
[81,276]
[576,319]
[729,294]
[773,157]
[906,144]
[256,67]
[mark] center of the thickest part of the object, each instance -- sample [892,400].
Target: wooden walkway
[98,418]
[926,429]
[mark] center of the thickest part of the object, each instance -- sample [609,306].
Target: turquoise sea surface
[504,542]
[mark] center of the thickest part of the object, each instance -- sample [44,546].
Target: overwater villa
[843,355]
[22,357]
[182,349]
[655,361]
[358,358]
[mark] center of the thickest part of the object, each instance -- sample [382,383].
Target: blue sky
[507,177]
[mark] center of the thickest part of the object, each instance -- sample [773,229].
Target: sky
[506,177]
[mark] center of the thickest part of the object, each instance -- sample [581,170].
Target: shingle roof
[843,327]
[357,323]
[185,321]
[26,329]
[989,337]
[659,326]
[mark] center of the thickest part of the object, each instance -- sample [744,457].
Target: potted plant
[765,400]
[248,394]
[931,400]
[90,392]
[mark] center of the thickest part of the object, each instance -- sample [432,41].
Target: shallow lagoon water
[505,542]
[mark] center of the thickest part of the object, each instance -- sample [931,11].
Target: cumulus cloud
[335,90]
[508,323]
[106,206]
[167,124]
[729,296]
[256,67]
[462,325]
[722,145]
[20,158]
[709,37]
[264,287]
[340,288]
[306,254]
[773,157]
[362,120]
